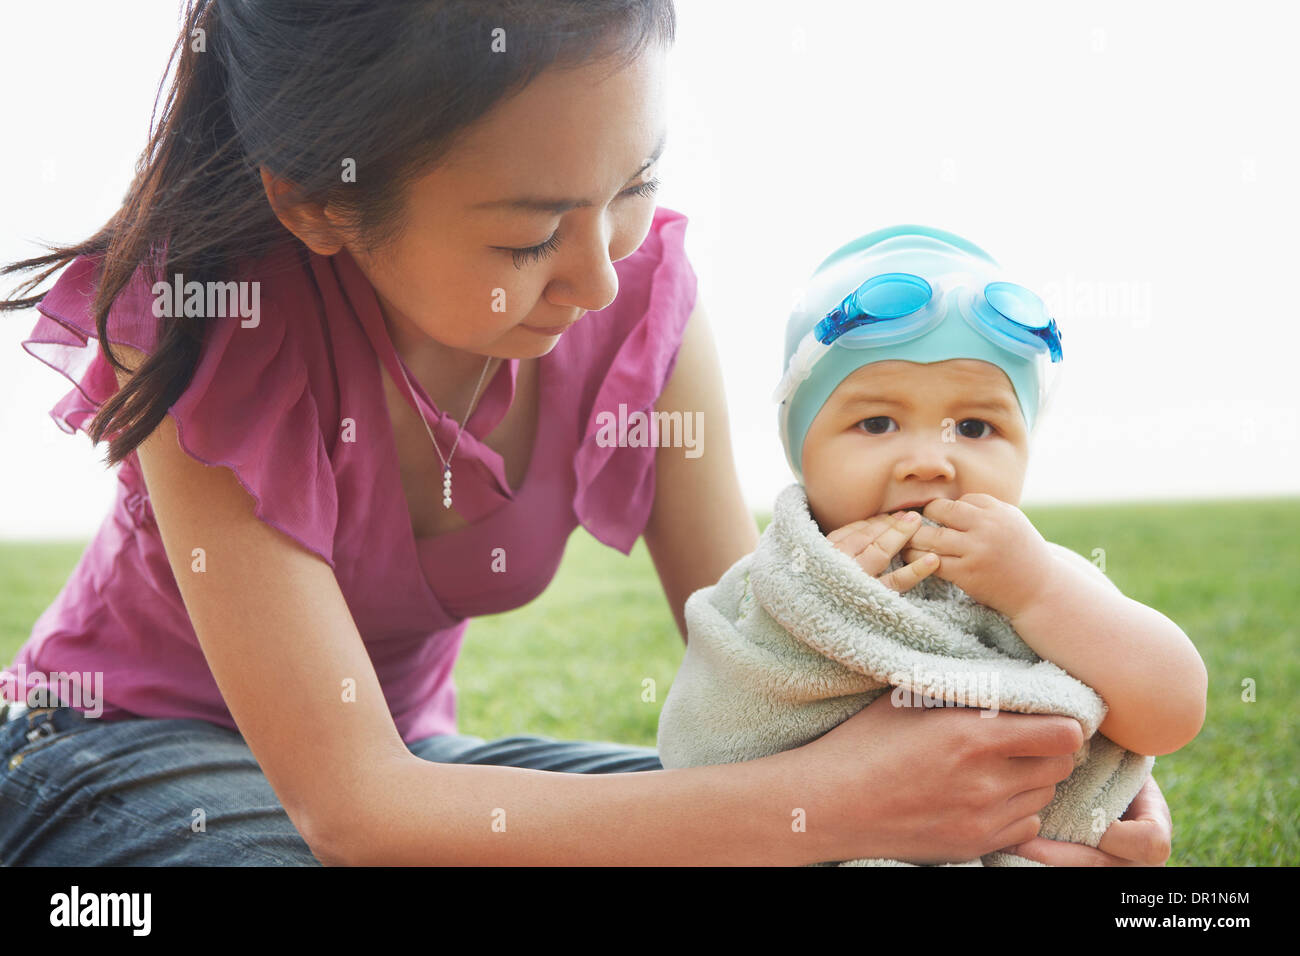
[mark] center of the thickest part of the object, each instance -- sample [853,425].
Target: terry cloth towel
[796,638]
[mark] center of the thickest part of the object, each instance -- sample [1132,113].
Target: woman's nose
[587,279]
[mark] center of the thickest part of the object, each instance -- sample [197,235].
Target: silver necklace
[460,428]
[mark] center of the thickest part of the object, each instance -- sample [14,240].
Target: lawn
[593,658]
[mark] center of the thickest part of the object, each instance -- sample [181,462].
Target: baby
[915,375]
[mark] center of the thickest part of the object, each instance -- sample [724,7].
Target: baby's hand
[874,541]
[986,547]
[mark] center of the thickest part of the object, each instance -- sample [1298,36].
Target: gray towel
[796,638]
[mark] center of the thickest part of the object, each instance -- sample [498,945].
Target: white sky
[1132,162]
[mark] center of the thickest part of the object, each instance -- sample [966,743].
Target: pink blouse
[272,402]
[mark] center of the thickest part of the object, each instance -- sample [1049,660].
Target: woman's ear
[310,222]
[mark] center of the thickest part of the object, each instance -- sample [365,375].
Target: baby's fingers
[872,543]
[862,525]
[908,576]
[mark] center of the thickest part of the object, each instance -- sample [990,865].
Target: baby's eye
[869,424]
[878,425]
[977,422]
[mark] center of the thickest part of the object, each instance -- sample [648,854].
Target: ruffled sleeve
[249,407]
[64,338]
[616,481]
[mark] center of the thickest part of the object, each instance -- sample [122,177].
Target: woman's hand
[1141,837]
[930,785]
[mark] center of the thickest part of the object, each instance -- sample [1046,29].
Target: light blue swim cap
[918,250]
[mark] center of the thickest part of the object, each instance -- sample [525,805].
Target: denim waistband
[35,722]
[13,709]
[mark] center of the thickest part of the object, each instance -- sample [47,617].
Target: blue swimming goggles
[898,306]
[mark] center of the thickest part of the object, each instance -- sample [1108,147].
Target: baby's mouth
[919,509]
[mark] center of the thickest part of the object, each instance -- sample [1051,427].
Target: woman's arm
[281,643]
[699,525]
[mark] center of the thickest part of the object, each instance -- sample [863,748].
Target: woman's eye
[871,423]
[523,257]
[531,254]
[645,189]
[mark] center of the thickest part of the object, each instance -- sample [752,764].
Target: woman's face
[560,169]
[895,433]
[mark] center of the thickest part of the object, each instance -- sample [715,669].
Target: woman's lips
[554,329]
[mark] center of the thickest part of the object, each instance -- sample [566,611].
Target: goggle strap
[800,367]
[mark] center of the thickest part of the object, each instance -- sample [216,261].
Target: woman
[421,266]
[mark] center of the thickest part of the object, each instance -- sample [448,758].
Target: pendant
[446,488]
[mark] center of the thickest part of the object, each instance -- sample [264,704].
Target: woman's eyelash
[523,257]
[647,188]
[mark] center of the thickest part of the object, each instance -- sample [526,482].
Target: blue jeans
[78,791]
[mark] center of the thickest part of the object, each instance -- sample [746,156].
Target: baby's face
[901,433]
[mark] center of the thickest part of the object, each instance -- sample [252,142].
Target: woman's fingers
[1030,802]
[1018,832]
[1141,837]
[1144,833]
[1059,853]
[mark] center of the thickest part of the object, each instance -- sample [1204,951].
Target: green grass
[574,662]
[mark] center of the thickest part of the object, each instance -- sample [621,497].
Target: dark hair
[297,86]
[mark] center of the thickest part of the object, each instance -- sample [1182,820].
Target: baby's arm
[1141,663]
